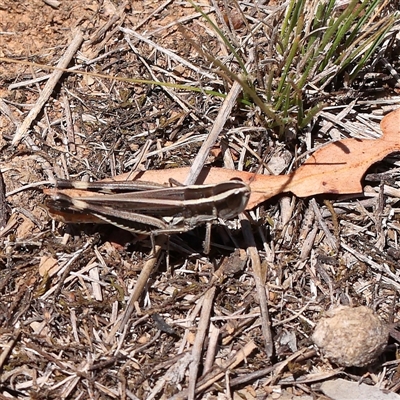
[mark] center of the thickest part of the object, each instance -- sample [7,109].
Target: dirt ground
[96,312]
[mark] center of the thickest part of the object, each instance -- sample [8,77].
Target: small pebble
[351,336]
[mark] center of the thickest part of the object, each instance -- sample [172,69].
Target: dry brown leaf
[336,168]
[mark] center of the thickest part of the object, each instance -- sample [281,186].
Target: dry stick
[69,125]
[318,217]
[138,289]
[5,109]
[261,373]
[199,340]
[219,371]
[224,26]
[341,116]
[118,14]
[211,348]
[7,348]
[171,375]
[259,277]
[231,363]
[156,12]
[3,203]
[48,89]
[212,137]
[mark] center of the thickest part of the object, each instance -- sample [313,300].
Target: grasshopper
[146,208]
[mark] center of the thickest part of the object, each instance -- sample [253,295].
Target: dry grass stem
[49,87]
[212,137]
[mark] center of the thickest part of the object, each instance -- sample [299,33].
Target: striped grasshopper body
[147,208]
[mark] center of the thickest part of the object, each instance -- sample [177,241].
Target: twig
[219,372]
[231,363]
[212,137]
[199,341]
[69,125]
[211,348]
[318,217]
[259,277]
[138,289]
[299,355]
[153,14]
[176,22]
[172,375]
[3,204]
[50,85]
[119,14]
[7,347]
